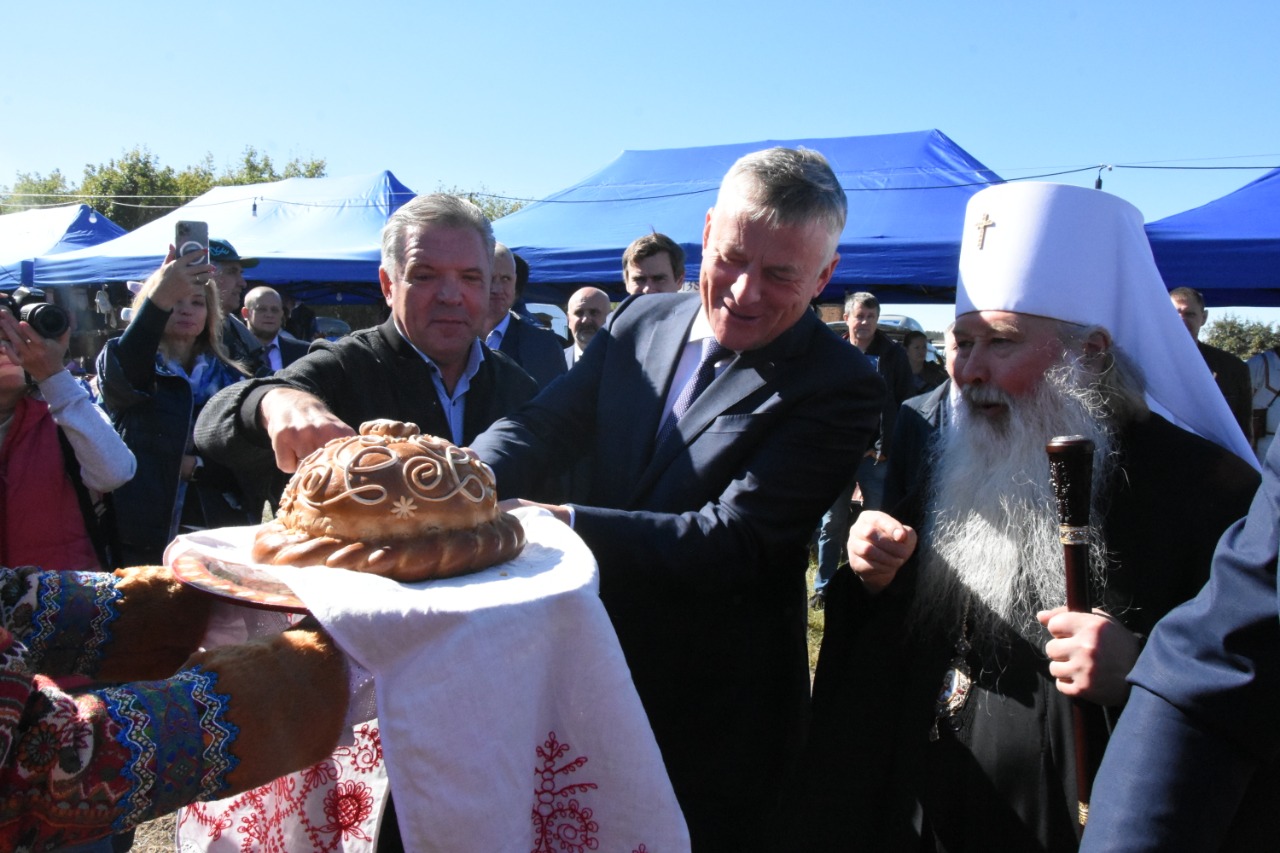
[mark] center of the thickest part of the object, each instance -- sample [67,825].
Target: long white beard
[990,539]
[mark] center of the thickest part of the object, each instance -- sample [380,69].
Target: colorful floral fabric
[73,768]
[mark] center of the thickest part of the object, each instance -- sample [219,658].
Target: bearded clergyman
[942,700]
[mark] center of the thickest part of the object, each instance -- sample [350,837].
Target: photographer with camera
[59,454]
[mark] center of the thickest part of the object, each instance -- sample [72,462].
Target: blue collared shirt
[455,406]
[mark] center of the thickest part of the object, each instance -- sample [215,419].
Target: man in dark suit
[699,509]
[263,313]
[1193,762]
[587,310]
[1231,374]
[537,350]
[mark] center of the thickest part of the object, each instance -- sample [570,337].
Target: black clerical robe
[1005,777]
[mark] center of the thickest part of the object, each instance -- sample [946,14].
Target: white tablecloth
[507,716]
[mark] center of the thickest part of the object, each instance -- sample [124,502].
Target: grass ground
[817,620]
[156,836]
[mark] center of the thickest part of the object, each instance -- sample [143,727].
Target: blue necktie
[712,352]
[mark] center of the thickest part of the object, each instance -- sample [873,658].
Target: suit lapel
[745,375]
[644,374]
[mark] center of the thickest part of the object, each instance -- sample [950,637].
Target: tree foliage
[135,188]
[493,205]
[1242,337]
[33,189]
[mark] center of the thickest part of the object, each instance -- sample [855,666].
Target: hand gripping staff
[1071,471]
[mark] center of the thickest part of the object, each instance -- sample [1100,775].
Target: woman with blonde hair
[155,378]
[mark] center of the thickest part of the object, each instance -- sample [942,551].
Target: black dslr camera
[27,303]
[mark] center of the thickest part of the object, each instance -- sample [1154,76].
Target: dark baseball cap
[220,251]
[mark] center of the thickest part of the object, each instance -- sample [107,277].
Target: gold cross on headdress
[982,227]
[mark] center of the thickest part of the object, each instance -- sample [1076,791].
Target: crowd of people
[698,443]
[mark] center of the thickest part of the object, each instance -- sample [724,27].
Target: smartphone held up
[190,236]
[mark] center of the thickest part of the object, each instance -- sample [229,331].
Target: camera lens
[49,320]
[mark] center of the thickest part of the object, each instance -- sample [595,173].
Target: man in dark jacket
[424,365]
[862,314]
[539,351]
[1231,374]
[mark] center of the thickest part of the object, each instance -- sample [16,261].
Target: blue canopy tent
[318,238]
[47,231]
[907,193]
[1229,249]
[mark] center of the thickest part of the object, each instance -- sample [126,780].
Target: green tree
[255,168]
[31,189]
[493,205]
[133,190]
[296,168]
[196,180]
[1242,337]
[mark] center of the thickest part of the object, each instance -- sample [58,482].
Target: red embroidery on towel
[561,823]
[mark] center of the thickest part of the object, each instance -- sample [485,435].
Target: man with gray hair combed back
[717,429]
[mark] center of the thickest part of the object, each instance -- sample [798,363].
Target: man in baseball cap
[229,278]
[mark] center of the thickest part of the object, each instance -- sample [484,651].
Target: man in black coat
[1231,374]
[943,694]
[424,365]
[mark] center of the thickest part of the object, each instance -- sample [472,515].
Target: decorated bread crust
[393,502]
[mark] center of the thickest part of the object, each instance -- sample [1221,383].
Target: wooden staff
[1071,470]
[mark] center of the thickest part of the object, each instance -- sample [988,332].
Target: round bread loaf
[393,502]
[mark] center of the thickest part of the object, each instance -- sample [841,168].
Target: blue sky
[523,99]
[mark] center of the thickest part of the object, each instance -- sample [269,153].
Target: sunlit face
[1193,316]
[586,315]
[1009,351]
[756,280]
[502,288]
[229,280]
[653,274]
[190,316]
[439,294]
[264,313]
[862,325]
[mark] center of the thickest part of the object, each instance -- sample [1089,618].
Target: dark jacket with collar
[153,409]
[371,373]
[539,351]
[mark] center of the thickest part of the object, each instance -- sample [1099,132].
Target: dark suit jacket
[1232,376]
[539,351]
[919,419]
[702,542]
[1193,764]
[291,350]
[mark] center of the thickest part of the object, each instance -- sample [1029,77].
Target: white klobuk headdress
[1082,256]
